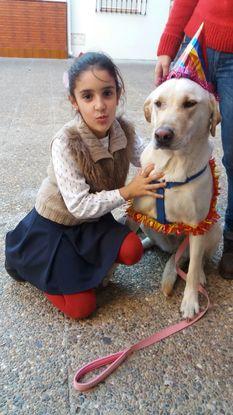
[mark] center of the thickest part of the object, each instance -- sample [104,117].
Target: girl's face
[96,99]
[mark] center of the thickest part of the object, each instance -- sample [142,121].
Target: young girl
[67,244]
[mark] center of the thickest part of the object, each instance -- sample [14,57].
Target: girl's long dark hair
[94,60]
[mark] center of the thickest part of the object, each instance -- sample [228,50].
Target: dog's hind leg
[169,274]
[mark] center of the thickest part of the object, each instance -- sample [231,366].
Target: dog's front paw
[189,306]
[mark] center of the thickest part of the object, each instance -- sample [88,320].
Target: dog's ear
[215,117]
[148,108]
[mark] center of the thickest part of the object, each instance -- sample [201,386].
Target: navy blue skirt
[61,259]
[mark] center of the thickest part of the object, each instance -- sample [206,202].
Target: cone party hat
[192,63]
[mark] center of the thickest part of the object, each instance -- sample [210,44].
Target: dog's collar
[182,228]
[160,203]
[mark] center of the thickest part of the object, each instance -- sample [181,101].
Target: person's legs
[224,79]
[76,306]
[130,253]
[224,82]
[83,304]
[131,250]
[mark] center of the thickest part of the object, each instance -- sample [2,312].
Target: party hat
[193,63]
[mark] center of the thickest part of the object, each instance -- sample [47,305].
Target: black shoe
[226,263]
[13,273]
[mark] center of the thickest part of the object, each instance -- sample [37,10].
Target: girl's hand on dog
[141,185]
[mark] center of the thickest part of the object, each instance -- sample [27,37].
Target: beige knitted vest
[103,169]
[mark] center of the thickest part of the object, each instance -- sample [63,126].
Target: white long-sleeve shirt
[74,189]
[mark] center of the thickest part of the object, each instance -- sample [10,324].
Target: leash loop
[114,360]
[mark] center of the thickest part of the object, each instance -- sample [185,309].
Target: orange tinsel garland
[181,228]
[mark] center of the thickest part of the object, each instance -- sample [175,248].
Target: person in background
[185,18]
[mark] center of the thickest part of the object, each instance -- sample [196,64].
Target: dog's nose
[164,136]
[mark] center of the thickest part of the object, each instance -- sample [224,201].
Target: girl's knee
[76,306]
[131,250]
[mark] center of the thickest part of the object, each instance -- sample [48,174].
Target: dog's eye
[158,104]
[189,104]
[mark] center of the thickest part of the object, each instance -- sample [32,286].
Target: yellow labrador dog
[182,114]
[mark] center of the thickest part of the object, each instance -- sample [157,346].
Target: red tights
[82,304]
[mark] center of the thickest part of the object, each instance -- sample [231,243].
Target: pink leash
[114,360]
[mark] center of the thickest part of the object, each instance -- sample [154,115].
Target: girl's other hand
[141,185]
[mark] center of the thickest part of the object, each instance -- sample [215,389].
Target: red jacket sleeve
[173,34]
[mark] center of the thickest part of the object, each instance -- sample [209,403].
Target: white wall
[122,36]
